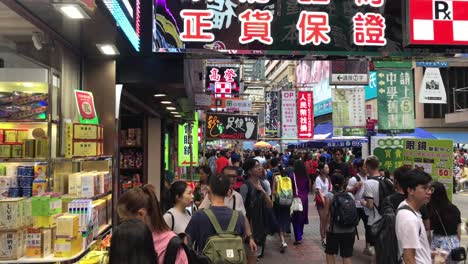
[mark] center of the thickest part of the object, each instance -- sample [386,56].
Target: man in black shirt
[337,165]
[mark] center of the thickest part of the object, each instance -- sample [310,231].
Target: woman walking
[178,217]
[322,187]
[282,212]
[445,221]
[300,182]
[202,187]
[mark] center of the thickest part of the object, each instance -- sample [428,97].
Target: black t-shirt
[341,168]
[200,228]
[397,198]
[451,218]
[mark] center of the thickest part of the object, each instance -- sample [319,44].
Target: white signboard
[238,105]
[203,99]
[349,78]
[288,115]
[432,88]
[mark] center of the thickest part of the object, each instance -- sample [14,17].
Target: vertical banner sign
[271,115]
[395,101]
[184,146]
[86,110]
[305,115]
[434,156]
[432,88]
[288,116]
[166,152]
[349,115]
[389,150]
[223,80]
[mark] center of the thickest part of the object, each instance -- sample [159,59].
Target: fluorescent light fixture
[108,49]
[72,11]
[166,102]
[177,116]
[175,113]
[27,84]
[128,6]
[171,108]
[160,95]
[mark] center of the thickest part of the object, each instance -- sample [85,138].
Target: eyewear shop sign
[230,126]
[236,25]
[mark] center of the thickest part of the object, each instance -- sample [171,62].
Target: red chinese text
[196,22]
[256,25]
[254,1]
[214,75]
[373,3]
[313,28]
[229,75]
[313,2]
[369,29]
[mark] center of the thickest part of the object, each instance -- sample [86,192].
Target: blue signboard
[432,64]
[371,88]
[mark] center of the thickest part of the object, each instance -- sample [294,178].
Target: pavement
[311,251]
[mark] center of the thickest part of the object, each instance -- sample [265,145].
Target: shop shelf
[23,121]
[104,229]
[21,160]
[83,159]
[99,196]
[133,169]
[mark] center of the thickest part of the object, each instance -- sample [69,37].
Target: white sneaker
[283,247]
[369,251]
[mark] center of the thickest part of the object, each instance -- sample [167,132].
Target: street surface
[311,251]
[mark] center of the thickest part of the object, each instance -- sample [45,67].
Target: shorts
[342,243]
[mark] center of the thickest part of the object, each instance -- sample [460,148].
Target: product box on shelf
[82,208]
[5,151]
[45,221]
[29,149]
[108,199]
[22,135]
[12,213]
[89,184]
[67,225]
[46,205]
[12,246]
[74,183]
[2,136]
[61,182]
[38,242]
[4,193]
[39,187]
[6,181]
[10,136]
[40,149]
[68,247]
[84,149]
[86,132]
[40,171]
[100,208]
[17,151]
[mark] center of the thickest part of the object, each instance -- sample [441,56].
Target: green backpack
[226,246]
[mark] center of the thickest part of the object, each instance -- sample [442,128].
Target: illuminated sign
[305,115]
[223,80]
[131,32]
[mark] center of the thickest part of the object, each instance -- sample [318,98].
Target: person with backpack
[338,164]
[283,196]
[412,238]
[322,187]
[342,219]
[142,203]
[178,217]
[300,183]
[218,232]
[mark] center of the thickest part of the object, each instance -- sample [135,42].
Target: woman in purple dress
[301,182]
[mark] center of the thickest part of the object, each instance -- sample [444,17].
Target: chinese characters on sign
[349,115]
[395,101]
[389,150]
[305,116]
[288,115]
[231,126]
[223,80]
[312,28]
[272,121]
[185,136]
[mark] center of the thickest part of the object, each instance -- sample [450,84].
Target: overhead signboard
[349,115]
[432,64]
[371,88]
[203,100]
[288,116]
[349,78]
[231,126]
[438,22]
[432,89]
[186,135]
[349,72]
[238,105]
[272,118]
[305,115]
[223,80]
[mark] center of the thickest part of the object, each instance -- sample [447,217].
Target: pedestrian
[340,237]
[178,217]
[411,234]
[256,202]
[207,223]
[132,242]
[322,187]
[222,161]
[201,190]
[356,187]
[445,220]
[260,157]
[300,182]
[282,211]
[212,162]
[338,164]
[142,203]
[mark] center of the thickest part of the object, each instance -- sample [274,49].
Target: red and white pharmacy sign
[305,115]
[438,22]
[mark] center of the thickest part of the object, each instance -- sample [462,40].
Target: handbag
[296,205]
[456,254]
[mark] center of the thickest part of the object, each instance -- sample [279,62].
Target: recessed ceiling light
[175,113]
[159,95]
[177,116]
[166,102]
[108,49]
[171,108]
[73,11]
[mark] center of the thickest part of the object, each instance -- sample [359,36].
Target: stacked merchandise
[18,105]
[15,217]
[88,184]
[131,158]
[22,180]
[84,140]
[131,137]
[15,143]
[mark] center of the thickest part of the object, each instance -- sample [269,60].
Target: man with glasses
[412,238]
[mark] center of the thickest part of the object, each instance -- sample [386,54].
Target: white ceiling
[13,26]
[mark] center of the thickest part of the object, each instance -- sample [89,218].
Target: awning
[457,137]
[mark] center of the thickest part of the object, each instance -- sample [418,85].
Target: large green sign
[434,157]
[395,101]
[389,150]
[184,144]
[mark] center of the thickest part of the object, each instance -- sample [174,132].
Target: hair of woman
[177,190]
[439,199]
[299,168]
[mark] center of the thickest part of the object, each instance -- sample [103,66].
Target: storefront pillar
[154,153]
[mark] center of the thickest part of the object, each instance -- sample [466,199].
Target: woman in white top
[178,217]
[322,187]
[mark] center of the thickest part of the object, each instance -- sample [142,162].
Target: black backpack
[343,210]
[193,256]
[386,188]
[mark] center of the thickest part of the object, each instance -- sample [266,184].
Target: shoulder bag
[296,205]
[456,254]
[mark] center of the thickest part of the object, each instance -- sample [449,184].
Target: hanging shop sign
[231,126]
[305,115]
[389,151]
[433,156]
[395,101]
[256,26]
[349,72]
[238,105]
[272,117]
[166,151]
[349,115]
[86,109]
[438,22]
[203,100]
[432,64]
[223,80]
[315,75]
[432,89]
[188,134]
[371,88]
[288,115]
[349,78]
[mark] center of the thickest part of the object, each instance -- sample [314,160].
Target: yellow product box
[85,148]
[5,151]
[12,244]
[101,132]
[74,183]
[67,225]
[40,171]
[66,247]
[22,135]
[29,147]
[17,151]
[95,257]
[40,150]
[12,213]
[10,136]
[86,132]
[45,221]
[61,182]
[39,187]
[38,243]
